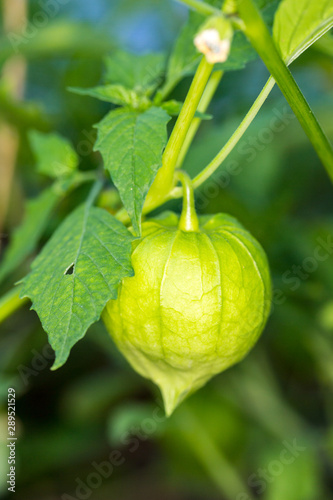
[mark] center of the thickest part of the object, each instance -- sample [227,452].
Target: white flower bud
[209,43]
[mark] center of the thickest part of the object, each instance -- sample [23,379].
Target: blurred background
[264,428]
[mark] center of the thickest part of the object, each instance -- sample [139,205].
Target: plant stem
[201,7]
[188,220]
[210,456]
[259,36]
[94,192]
[238,134]
[232,142]
[202,107]
[164,180]
[10,303]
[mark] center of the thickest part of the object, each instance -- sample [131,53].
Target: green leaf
[131,145]
[139,72]
[26,236]
[240,54]
[117,94]
[325,45]
[55,156]
[76,274]
[299,23]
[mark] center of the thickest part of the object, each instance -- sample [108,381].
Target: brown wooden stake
[13,75]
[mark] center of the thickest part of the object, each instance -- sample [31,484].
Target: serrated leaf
[55,155]
[299,23]
[75,275]
[26,236]
[133,71]
[116,94]
[131,145]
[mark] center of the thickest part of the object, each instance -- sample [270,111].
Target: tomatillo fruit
[197,304]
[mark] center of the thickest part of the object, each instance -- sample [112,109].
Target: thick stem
[188,221]
[202,107]
[259,36]
[164,180]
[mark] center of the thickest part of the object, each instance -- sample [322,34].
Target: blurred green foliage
[228,440]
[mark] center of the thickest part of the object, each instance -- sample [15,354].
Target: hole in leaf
[70,269]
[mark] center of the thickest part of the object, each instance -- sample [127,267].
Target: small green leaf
[75,275]
[203,116]
[117,94]
[26,236]
[173,108]
[55,156]
[131,144]
[299,23]
[133,71]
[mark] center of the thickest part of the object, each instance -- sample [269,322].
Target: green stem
[232,142]
[10,303]
[210,456]
[93,193]
[188,220]
[203,8]
[259,36]
[164,180]
[202,107]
